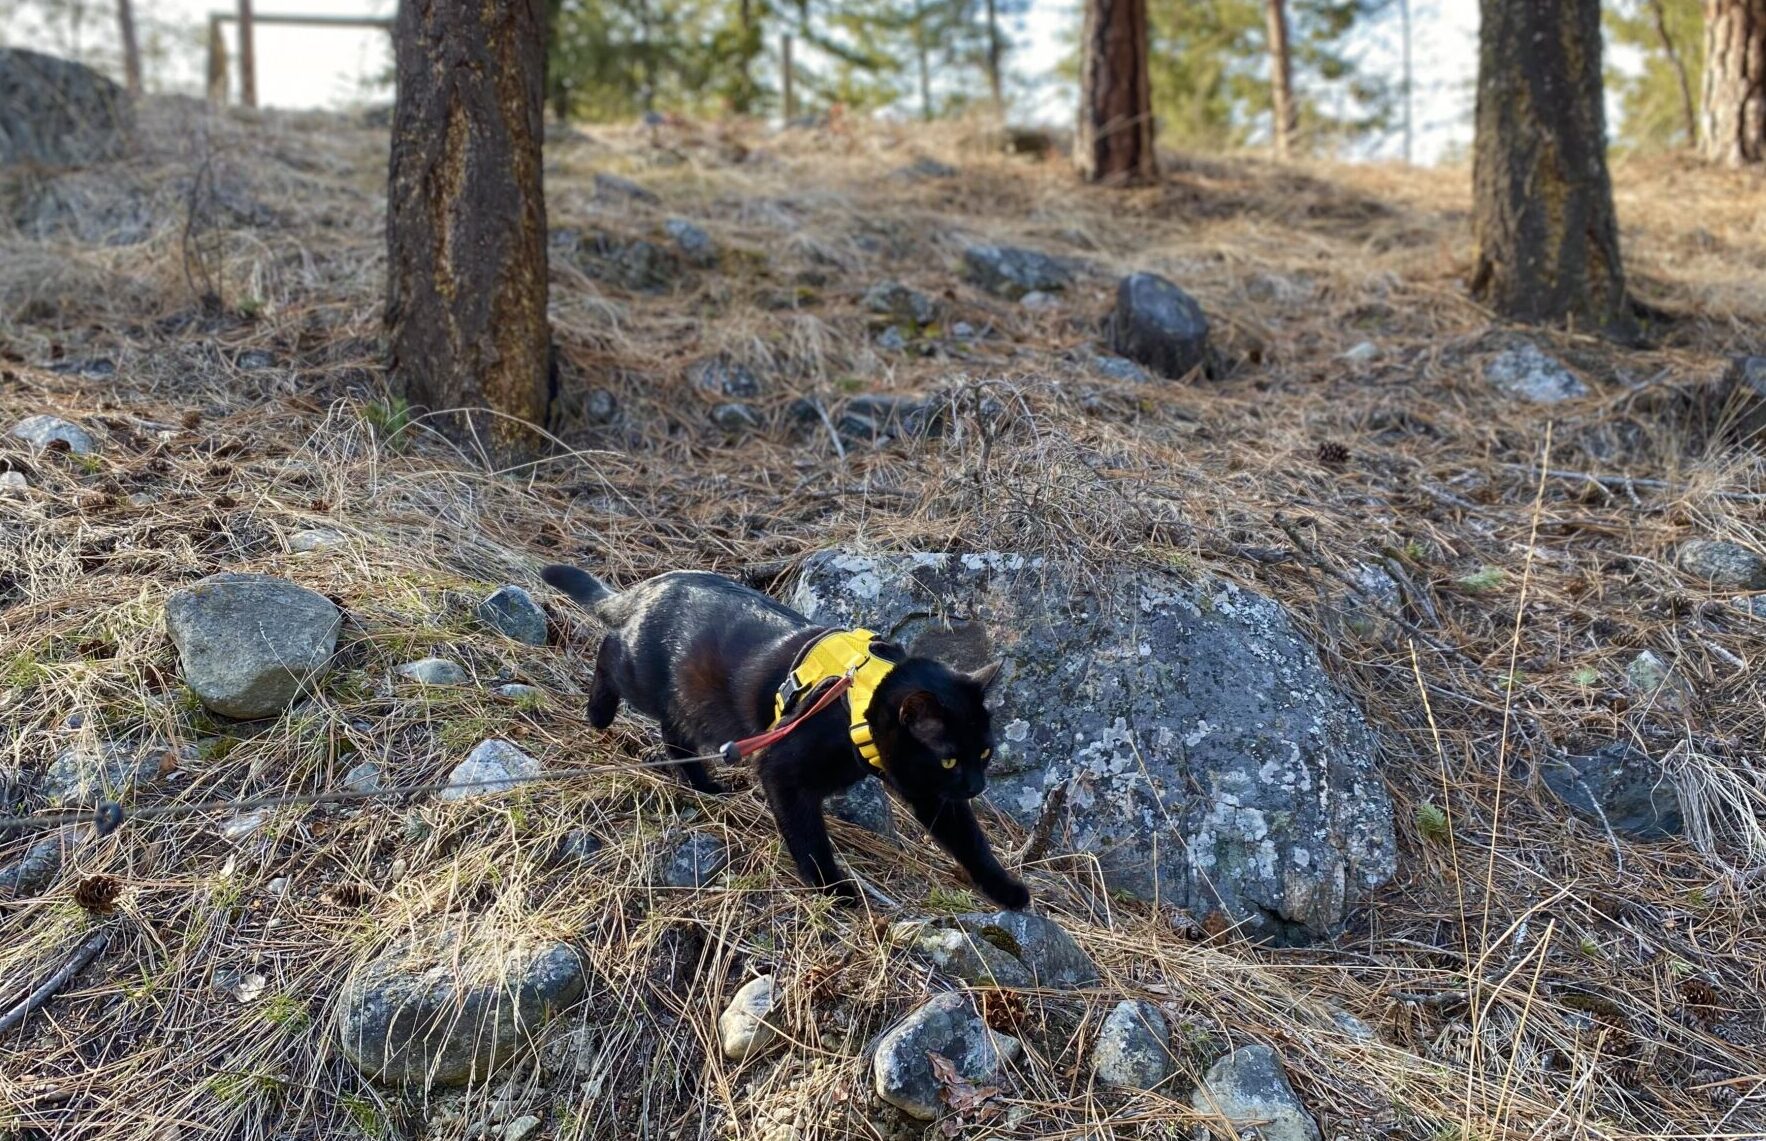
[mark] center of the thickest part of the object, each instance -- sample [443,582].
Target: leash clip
[731,751]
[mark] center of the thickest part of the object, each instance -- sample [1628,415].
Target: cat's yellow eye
[986,753]
[949,762]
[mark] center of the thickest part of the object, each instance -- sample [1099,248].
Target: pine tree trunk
[1547,237]
[131,46]
[466,218]
[1404,34]
[922,54]
[248,57]
[1281,80]
[995,84]
[1734,114]
[1114,142]
[557,90]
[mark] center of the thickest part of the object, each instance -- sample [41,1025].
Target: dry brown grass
[1528,977]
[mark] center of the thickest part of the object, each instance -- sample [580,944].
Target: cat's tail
[587,590]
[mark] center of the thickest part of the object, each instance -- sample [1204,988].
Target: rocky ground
[1381,716]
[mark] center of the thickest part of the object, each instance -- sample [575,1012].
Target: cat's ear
[987,674]
[923,717]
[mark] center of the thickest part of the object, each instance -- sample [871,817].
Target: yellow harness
[833,655]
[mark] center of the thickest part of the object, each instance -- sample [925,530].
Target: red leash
[734,751]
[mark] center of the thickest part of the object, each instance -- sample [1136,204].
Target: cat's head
[938,735]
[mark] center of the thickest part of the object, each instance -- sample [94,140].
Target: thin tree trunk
[217,63]
[1114,140]
[248,58]
[995,82]
[921,52]
[557,90]
[1281,80]
[1547,237]
[1733,123]
[1689,117]
[1404,33]
[466,218]
[131,46]
[787,81]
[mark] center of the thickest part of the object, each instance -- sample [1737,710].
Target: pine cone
[1332,454]
[98,894]
[1003,1010]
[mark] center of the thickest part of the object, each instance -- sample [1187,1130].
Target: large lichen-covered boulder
[56,112]
[1201,752]
[248,644]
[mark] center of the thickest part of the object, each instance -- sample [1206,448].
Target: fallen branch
[76,963]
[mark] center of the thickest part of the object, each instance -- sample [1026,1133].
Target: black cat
[706,656]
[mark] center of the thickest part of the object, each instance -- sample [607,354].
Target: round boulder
[1158,325]
[948,1026]
[249,643]
[1133,1050]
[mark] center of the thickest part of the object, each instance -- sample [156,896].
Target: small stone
[743,1028]
[1725,565]
[578,846]
[1133,1049]
[364,777]
[491,767]
[963,331]
[1001,948]
[277,886]
[1655,682]
[696,861]
[1037,301]
[83,774]
[926,167]
[248,644]
[1119,369]
[600,406]
[42,431]
[512,612]
[315,540]
[893,299]
[1010,272]
[613,186]
[693,243]
[736,418]
[1364,353]
[891,340]
[515,691]
[719,376]
[243,825]
[251,360]
[644,266]
[1158,325]
[1525,373]
[520,1127]
[41,863]
[1353,1027]
[13,481]
[433,671]
[902,1072]
[143,499]
[1249,1089]
[1620,786]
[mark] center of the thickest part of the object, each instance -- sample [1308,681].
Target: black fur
[703,656]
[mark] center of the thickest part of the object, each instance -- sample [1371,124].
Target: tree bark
[995,83]
[466,219]
[248,57]
[1281,80]
[1114,141]
[131,46]
[1689,117]
[1733,123]
[1542,209]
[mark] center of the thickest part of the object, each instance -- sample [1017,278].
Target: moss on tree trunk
[1548,240]
[466,218]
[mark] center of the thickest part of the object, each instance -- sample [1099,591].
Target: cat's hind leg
[604,692]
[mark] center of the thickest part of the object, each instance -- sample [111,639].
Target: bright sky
[302,68]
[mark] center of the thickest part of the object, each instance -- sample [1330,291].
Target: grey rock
[1208,761]
[892,340]
[55,112]
[748,1024]
[1525,373]
[720,376]
[249,643]
[1250,1089]
[612,186]
[452,1006]
[1364,352]
[865,804]
[252,360]
[43,431]
[33,872]
[880,416]
[895,300]
[1353,1027]
[691,242]
[1158,325]
[512,612]
[1726,565]
[433,671]
[1010,272]
[926,167]
[735,417]
[515,691]
[1005,948]
[600,406]
[695,861]
[948,1026]
[1620,785]
[491,767]
[92,368]
[14,481]
[963,331]
[245,825]
[520,1128]
[1133,1050]
[1119,369]
[578,846]
[316,540]
[364,777]
[1655,682]
[1038,302]
[109,770]
[1741,400]
[644,266]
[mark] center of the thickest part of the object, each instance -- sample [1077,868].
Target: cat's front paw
[1009,894]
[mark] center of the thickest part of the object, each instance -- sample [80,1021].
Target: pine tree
[1732,128]
[1114,142]
[1657,105]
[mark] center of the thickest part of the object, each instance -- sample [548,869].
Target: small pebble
[432,671]
[520,1127]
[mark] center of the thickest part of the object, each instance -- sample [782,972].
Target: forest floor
[210,310]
